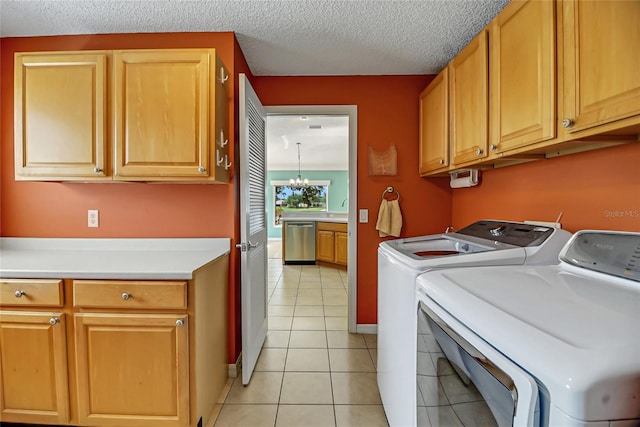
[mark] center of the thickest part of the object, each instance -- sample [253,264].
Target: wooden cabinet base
[33,368]
[332,244]
[125,353]
[331,265]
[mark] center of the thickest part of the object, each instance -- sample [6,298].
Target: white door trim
[352,112]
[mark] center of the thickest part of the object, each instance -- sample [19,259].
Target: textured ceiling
[324,142]
[295,37]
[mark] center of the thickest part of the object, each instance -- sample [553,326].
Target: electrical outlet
[93,218]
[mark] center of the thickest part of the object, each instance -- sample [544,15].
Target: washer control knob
[498,231]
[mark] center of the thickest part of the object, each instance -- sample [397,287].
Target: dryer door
[464,381]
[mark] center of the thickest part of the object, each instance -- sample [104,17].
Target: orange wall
[49,209]
[596,190]
[387,114]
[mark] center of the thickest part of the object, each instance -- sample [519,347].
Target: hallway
[311,371]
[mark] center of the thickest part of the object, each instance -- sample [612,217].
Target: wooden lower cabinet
[132,368]
[341,245]
[325,246]
[332,243]
[33,367]
[126,353]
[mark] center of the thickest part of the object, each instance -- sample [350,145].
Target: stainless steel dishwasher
[300,242]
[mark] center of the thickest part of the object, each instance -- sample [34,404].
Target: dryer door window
[459,385]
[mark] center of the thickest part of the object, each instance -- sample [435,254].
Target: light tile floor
[311,371]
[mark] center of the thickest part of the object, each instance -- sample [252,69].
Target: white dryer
[535,346]
[401,261]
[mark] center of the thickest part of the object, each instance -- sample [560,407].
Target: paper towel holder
[464,178]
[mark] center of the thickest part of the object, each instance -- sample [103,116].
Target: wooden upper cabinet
[601,63]
[522,75]
[165,105]
[60,116]
[434,125]
[469,102]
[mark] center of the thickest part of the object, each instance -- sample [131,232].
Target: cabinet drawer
[129,294]
[31,292]
[331,226]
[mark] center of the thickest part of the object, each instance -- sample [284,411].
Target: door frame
[352,112]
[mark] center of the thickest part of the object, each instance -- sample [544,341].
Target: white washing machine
[535,346]
[401,261]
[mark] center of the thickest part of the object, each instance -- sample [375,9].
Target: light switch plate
[93,218]
[364,215]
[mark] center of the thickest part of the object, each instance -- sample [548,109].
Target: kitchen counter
[340,217]
[116,259]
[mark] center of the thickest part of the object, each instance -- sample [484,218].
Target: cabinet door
[60,116]
[468,97]
[434,125]
[341,252]
[325,249]
[33,368]
[132,370]
[161,113]
[601,62]
[522,72]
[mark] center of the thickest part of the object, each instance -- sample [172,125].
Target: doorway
[348,198]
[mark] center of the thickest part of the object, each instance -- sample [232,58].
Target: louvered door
[253,227]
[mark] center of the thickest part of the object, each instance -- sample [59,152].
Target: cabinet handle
[567,123]
[223,141]
[441,161]
[126,295]
[53,321]
[479,151]
[19,294]
[493,147]
[223,77]
[201,169]
[97,169]
[179,322]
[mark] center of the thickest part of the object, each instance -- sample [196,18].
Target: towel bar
[391,190]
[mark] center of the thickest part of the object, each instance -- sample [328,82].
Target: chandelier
[298,182]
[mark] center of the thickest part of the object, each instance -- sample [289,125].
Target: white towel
[389,218]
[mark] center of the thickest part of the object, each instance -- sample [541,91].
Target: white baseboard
[367,329]
[234,368]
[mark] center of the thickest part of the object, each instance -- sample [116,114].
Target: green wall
[338,189]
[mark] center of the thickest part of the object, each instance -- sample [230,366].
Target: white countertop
[339,220]
[130,259]
[342,217]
